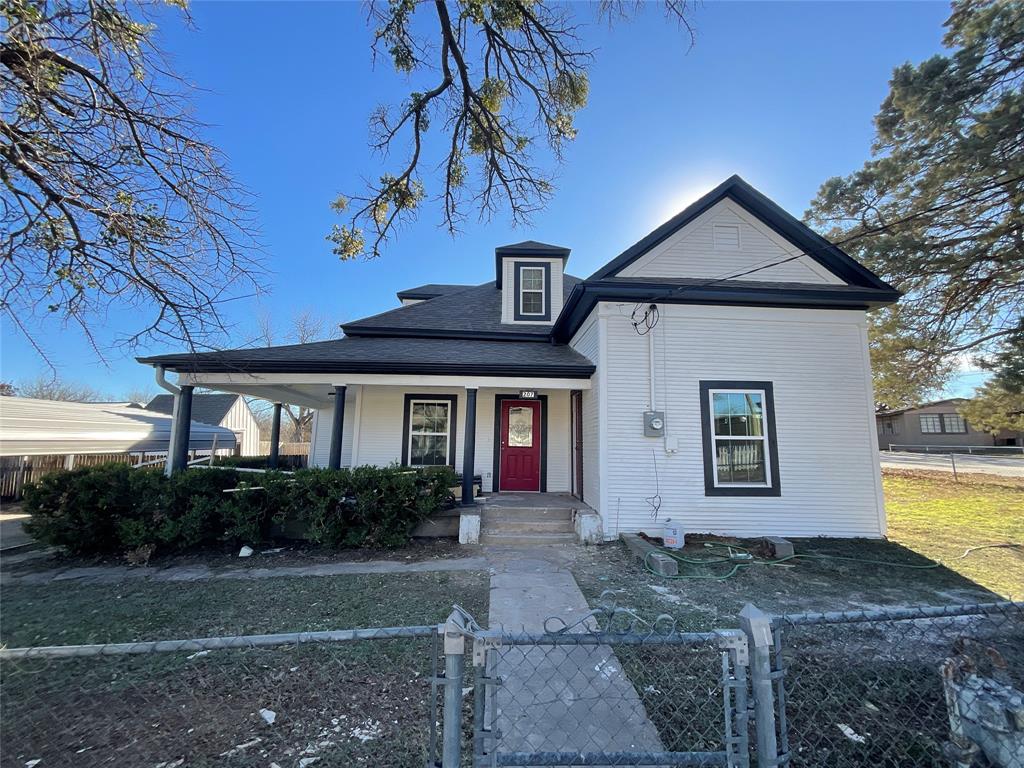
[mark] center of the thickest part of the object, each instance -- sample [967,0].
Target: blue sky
[781,93]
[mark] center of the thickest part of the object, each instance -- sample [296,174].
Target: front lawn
[939,518]
[362,703]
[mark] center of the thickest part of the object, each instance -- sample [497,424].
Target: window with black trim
[740,446]
[931,423]
[429,431]
[953,423]
[532,291]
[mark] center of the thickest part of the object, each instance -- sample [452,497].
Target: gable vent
[727,237]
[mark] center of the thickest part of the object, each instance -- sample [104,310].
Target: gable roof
[471,313]
[430,290]
[919,406]
[206,408]
[792,229]
[397,355]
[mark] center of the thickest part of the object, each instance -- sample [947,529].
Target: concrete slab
[564,698]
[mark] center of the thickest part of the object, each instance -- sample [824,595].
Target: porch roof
[390,355]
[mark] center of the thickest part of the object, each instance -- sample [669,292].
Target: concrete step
[527,539]
[527,513]
[516,525]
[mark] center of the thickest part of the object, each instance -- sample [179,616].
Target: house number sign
[527,394]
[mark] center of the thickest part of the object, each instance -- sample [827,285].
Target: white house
[716,372]
[222,410]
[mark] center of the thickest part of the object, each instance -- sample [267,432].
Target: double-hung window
[931,423]
[532,290]
[738,423]
[429,431]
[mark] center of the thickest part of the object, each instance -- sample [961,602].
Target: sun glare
[674,199]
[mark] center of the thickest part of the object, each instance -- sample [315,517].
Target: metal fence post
[758,627]
[454,666]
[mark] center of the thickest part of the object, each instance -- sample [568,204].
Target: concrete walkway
[115,574]
[557,698]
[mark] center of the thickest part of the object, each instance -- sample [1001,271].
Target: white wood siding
[827,453]
[508,289]
[239,419]
[692,252]
[378,430]
[587,342]
[320,436]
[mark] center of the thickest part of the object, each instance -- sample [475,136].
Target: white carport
[31,427]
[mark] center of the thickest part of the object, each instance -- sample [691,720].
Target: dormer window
[533,290]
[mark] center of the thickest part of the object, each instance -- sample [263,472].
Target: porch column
[275,437]
[337,427]
[469,447]
[178,450]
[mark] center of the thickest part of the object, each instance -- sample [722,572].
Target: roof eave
[591,292]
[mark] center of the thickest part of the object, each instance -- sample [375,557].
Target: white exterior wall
[239,419]
[320,433]
[587,341]
[827,452]
[692,252]
[374,421]
[508,289]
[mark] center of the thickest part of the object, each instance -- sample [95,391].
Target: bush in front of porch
[112,508]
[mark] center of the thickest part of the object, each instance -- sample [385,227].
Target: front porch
[516,440]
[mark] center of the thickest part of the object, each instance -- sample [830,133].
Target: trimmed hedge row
[113,508]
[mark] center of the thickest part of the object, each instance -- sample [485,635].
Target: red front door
[520,446]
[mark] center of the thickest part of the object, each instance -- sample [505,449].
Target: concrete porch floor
[513,500]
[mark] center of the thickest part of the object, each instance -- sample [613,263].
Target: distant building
[220,410]
[936,424]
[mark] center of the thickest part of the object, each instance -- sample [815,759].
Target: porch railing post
[757,625]
[469,447]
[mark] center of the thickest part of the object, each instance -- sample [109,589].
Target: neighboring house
[229,411]
[716,372]
[935,424]
[39,436]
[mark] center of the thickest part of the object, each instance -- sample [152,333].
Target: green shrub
[114,508]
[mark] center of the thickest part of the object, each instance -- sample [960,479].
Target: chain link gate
[608,690]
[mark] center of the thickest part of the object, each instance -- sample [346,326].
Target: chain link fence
[883,687]
[890,687]
[366,697]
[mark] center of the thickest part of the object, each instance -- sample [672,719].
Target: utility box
[654,423]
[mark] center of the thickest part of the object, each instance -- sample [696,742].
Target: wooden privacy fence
[16,471]
[285,449]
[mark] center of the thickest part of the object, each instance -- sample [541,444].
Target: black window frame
[963,423]
[517,267]
[708,440]
[407,416]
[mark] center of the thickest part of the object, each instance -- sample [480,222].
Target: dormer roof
[526,248]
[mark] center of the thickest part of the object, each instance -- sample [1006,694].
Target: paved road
[1007,466]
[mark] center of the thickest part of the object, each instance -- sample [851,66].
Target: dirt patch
[367,703]
[295,554]
[941,478]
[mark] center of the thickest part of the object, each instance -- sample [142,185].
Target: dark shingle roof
[392,355]
[208,409]
[471,312]
[430,290]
